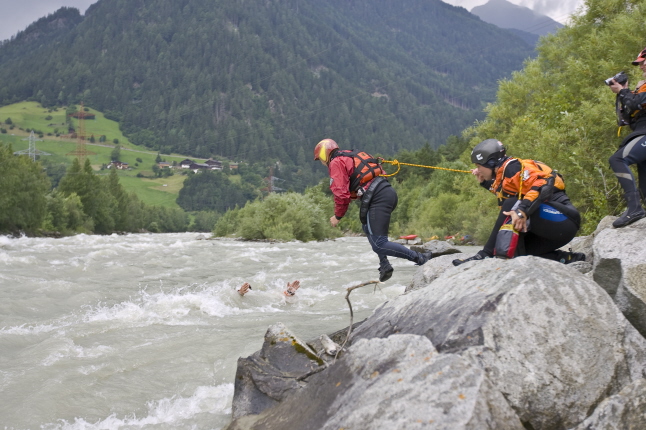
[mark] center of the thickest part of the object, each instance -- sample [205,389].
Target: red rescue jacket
[341,169]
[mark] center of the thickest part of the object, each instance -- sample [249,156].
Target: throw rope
[399,164]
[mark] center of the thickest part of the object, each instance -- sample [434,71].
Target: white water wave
[174,411]
[68,349]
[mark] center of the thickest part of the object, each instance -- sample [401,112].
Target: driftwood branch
[311,372]
[347,298]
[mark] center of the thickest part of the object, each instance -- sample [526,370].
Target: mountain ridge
[505,14]
[265,80]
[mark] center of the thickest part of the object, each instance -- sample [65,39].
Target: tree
[65,214]
[23,186]
[97,202]
[115,155]
[115,189]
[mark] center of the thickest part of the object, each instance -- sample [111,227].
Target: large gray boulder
[585,244]
[620,268]
[549,338]
[396,383]
[625,410]
[432,269]
[269,375]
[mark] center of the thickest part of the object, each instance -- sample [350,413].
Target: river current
[143,331]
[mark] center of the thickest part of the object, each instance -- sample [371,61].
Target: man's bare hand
[244,288]
[292,287]
[520,224]
[476,172]
[616,87]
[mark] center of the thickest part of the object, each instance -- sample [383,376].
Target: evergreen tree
[122,199]
[115,155]
[97,202]
[22,192]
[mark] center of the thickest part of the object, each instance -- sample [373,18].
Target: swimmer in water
[289,291]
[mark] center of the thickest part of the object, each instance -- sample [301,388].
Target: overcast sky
[558,10]
[16,15]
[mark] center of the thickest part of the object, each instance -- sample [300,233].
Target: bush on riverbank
[286,216]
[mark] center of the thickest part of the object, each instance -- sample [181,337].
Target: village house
[213,164]
[163,164]
[195,167]
[185,164]
[118,165]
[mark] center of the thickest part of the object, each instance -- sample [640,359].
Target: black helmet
[489,153]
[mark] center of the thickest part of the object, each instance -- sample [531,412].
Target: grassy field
[30,115]
[157,192]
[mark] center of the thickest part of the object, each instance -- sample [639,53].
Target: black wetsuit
[633,148]
[381,206]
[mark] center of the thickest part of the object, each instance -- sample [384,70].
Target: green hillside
[263,81]
[31,115]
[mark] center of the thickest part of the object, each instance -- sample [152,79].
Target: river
[143,331]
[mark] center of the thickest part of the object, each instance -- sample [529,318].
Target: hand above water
[291,288]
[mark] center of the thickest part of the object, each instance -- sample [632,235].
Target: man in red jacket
[354,175]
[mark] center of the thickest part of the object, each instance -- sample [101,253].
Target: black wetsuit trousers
[633,152]
[548,231]
[382,205]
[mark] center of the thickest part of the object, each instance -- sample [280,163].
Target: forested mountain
[266,79]
[44,32]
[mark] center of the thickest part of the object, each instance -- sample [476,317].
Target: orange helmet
[640,58]
[323,149]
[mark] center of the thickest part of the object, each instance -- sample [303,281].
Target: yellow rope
[399,164]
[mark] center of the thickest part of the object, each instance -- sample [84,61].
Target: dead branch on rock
[312,372]
[347,298]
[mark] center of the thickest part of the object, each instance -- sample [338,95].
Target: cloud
[558,10]
[17,15]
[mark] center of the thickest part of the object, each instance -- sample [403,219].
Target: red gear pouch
[506,240]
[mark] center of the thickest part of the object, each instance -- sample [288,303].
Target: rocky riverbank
[525,343]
